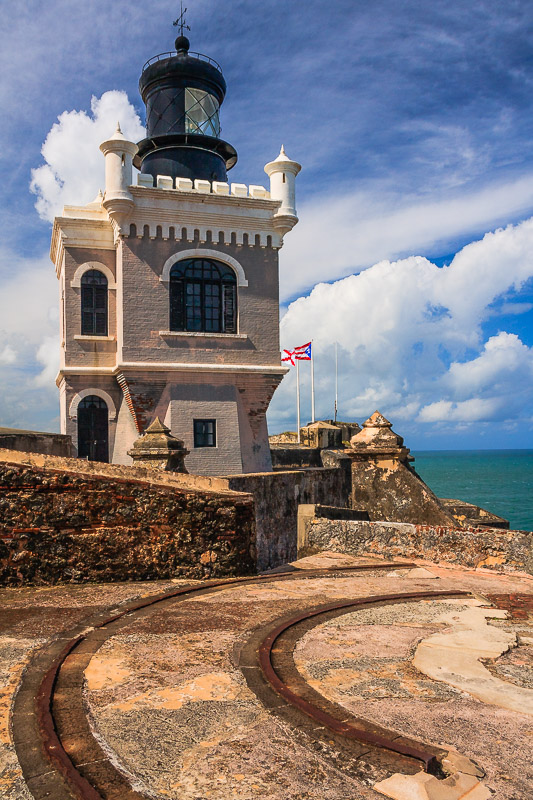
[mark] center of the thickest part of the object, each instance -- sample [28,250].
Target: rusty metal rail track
[388,740]
[48,769]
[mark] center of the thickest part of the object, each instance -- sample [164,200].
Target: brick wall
[101,523]
[80,352]
[146,305]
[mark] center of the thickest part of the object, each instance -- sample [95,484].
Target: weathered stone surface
[54,444]
[455,658]
[58,526]
[473,516]
[166,696]
[376,435]
[390,490]
[157,448]
[277,496]
[294,456]
[321,434]
[495,549]
[427,787]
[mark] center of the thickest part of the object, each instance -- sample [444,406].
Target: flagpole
[298,397]
[336,381]
[312,382]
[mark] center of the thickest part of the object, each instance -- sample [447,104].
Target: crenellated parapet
[219,188]
[242,215]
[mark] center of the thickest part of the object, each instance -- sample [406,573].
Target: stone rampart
[277,496]
[292,456]
[53,444]
[67,520]
[470,547]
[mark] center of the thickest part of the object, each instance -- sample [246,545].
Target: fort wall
[468,547]
[277,496]
[62,520]
[54,444]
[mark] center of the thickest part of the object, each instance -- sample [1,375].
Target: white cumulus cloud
[411,342]
[7,355]
[48,356]
[348,231]
[74,168]
[29,342]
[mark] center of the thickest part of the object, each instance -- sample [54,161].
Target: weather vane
[180,21]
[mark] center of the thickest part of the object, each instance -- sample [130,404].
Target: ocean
[498,480]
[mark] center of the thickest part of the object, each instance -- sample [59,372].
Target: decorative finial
[282,151]
[180,23]
[118,130]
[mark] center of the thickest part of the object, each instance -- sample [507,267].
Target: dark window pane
[100,297]
[229,308]
[100,324]
[207,299]
[177,320]
[93,304]
[205,433]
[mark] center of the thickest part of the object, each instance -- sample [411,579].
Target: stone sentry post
[383,481]
[158,449]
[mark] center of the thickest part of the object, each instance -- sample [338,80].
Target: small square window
[205,433]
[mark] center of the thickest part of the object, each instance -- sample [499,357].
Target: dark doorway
[93,429]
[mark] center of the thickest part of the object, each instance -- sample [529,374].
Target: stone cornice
[72,232]
[128,367]
[238,216]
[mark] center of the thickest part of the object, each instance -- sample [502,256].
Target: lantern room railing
[173,53]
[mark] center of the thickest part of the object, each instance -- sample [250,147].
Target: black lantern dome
[183,92]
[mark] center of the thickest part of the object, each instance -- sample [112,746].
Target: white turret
[118,152]
[282,173]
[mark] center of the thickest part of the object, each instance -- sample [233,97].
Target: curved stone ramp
[58,753]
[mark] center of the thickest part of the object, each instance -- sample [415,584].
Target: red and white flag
[301,353]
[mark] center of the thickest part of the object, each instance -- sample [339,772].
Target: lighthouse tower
[169,284]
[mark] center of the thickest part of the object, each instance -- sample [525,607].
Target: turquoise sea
[499,480]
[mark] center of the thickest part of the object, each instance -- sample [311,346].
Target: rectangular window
[205,433]
[229,315]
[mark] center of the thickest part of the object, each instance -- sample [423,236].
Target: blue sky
[412,122]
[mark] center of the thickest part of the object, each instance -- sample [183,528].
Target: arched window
[93,303]
[203,297]
[93,429]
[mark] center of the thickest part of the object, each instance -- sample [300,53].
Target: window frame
[202,297]
[204,435]
[94,304]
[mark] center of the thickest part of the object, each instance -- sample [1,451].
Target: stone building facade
[132,265]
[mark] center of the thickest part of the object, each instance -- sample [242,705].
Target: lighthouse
[169,284]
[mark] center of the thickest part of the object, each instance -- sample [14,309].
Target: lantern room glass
[201,113]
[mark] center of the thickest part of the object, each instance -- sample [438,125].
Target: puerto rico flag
[302,353]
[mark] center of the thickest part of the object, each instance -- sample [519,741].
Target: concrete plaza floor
[168,700]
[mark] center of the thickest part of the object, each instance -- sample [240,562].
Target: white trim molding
[202,335]
[203,252]
[82,337]
[154,366]
[83,268]
[76,400]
